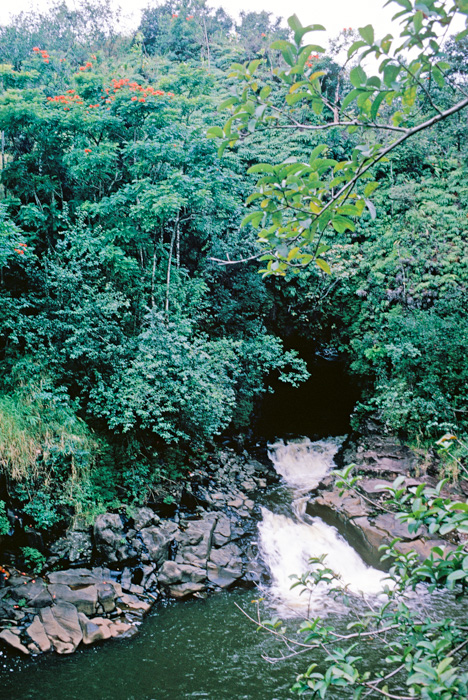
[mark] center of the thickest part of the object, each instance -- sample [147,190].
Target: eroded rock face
[36,631]
[194,544]
[77,545]
[62,627]
[12,638]
[110,538]
[225,565]
[156,541]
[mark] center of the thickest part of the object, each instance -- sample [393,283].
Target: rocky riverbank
[102,578]
[128,561]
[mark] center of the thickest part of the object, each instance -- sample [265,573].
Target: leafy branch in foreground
[299,204]
[423,653]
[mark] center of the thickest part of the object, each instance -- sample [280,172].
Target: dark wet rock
[225,565]
[33,593]
[110,539]
[421,547]
[126,580]
[144,517]
[351,504]
[12,637]
[106,593]
[194,544]
[183,590]
[395,528]
[173,573]
[132,602]
[36,631]
[76,578]
[381,454]
[222,532]
[77,545]
[62,627]
[156,541]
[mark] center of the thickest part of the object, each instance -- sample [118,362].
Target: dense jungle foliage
[129,341]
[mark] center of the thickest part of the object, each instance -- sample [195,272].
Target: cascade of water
[288,543]
[302,463]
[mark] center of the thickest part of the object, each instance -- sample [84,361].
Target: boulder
[12,637]
[144,517]
[90,630]
[84,599]
[33,592]
[421,547]
[101,623]
[171,573]
[106,594]
[195,543]
[156,541]
[349,504]
[62,626]
[225,565]
[183,590]
[110,539]
[76,578]
[222,531]
[76,546]
[37,633]
[132,602]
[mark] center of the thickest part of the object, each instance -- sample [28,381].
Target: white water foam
[302,463]
[287,544]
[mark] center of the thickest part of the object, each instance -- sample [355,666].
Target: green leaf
[317,151]
[390,74]
[215,132]
[456,576]
[282,45]
[261,168]
[350,97]
[357,76]
[341,224]
[376,105]
[323,265]
[264,92]
[367,34]
[254,218]
[355,47]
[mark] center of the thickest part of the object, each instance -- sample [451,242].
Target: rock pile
[142,557]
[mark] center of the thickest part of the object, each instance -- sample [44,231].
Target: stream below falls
[208,648]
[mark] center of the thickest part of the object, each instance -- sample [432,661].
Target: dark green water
[198,649]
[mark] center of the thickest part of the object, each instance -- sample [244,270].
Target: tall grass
[41,437]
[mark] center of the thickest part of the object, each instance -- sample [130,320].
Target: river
[208,648]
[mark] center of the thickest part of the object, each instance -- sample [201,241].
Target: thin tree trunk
[169,265]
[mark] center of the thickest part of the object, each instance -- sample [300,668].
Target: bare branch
[330,125]
[237,262]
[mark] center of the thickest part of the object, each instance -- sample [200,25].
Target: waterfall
[287,543]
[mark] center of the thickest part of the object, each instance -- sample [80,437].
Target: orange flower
[17,250]
[87,150]
[133,99]
[142,99]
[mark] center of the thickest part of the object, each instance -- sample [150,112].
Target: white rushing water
[287,543]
